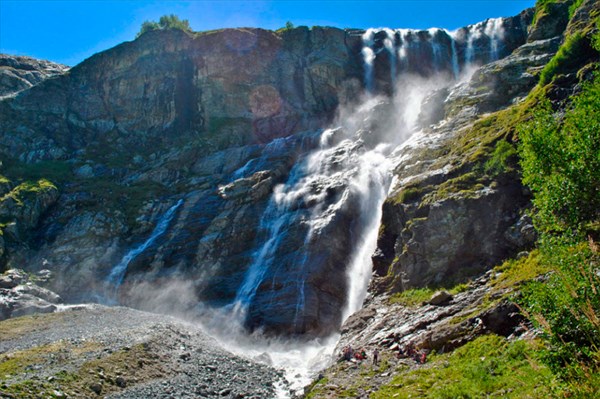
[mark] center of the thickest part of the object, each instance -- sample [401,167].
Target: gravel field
[95,351]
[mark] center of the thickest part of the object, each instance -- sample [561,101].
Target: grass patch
[55,171]
[489,367]
[502,160]
[409,194]
[106,194]
[416,296]
[465,186]
[514,272]
[568,57]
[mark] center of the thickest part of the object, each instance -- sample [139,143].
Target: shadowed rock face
[218,120]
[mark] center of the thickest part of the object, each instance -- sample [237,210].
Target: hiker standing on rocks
[375,357]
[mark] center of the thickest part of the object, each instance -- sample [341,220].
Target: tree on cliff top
[165,22]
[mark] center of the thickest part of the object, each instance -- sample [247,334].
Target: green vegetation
[561,162]
[29,189]
[165,22]
[489,366]
[416,296]
[409,194]
[105,369]
[567,309]
[502,160]
[568,56]
[58,172]
[515,272]
[542,7]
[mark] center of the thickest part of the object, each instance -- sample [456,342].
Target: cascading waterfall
[436,49]
[117,274]
[455,65]
[404,48]
[368,58]
[388,43]
[351,166]
[494,29]
[450,51]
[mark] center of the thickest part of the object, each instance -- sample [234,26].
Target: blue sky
[70,31]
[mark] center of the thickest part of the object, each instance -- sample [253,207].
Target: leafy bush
[165,22]
[561,162]
[567,309]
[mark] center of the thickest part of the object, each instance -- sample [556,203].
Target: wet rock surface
[91,351]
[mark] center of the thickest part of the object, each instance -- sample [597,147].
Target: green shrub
[165,22]
[567,310]
[560,158]
[561,162]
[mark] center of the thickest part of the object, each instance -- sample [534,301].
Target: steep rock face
[18,73]
[226,88]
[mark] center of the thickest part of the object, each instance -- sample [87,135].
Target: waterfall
[436,49]
[388,43]
[455,66]
[117,274]
[494,30]
[368,58]
[472,34]
[403,49]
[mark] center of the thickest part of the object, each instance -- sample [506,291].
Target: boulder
[440,298]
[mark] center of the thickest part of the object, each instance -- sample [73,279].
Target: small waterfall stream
[117,274]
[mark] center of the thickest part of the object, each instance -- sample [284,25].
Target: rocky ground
[96,351]
[427,321]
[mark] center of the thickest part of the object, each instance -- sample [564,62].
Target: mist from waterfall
[356,151]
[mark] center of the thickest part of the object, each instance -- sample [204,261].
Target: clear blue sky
[70,31]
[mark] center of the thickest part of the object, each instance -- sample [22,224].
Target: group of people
[419,356]
[349,354]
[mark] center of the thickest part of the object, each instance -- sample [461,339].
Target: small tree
[289,25]
[165,22]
